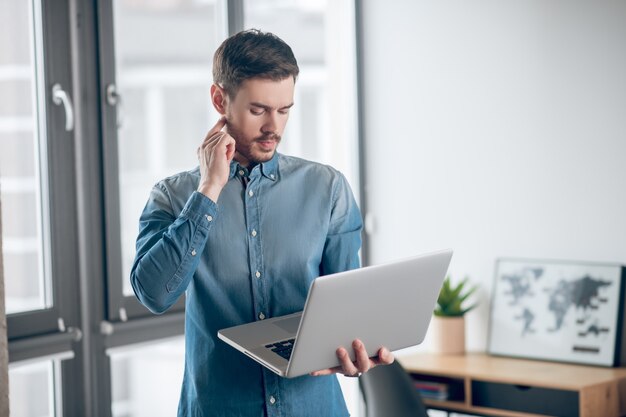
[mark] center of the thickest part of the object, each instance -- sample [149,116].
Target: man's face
[256,117]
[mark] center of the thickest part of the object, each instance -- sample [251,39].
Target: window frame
[57,154]
[120,307]
[84,217]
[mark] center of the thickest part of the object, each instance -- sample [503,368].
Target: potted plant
[448,324]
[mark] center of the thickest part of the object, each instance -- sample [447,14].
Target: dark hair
[252,54]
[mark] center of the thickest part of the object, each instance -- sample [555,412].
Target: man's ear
[219,98]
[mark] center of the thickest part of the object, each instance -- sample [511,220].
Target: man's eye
[284,111]
[256,112]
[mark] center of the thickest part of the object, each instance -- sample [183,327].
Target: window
[22,158]
[323,123]
[76,170]
[34,380]
[31,81]
[140,374]
[159,88]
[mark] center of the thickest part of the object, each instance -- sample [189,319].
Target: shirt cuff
[200,209]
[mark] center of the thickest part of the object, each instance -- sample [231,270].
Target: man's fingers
[218,126]
[230,149]
[219,139]
[346,364]
[363,362]
[216,131]
[212,139]
[328,371]
[384,357]
[226,144]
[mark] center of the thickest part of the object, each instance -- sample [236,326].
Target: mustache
[268,136]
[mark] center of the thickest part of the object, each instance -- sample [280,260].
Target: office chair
[389,392]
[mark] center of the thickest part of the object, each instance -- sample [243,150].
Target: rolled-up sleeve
[168,247]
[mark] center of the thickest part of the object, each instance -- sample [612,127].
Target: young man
[244,234]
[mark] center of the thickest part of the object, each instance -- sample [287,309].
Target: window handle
[114,99]
[59,96]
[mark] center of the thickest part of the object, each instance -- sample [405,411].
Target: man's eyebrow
[266,107]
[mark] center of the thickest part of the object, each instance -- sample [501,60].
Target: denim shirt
[249,257]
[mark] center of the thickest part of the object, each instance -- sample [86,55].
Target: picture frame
[562,311]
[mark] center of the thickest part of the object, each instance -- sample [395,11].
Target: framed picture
[558,311]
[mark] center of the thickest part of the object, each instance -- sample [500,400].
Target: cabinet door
[553,402]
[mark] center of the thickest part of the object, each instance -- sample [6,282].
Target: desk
[496,386]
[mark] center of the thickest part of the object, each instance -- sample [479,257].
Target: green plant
[451,299]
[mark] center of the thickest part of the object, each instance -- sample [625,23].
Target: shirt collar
[233,168]
[268,169]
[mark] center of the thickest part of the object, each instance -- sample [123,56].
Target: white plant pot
[448,335]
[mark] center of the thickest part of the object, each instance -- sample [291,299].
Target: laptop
[384,305]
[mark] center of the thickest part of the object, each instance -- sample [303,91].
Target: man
[244,234]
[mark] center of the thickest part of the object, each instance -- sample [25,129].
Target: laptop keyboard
[282,348]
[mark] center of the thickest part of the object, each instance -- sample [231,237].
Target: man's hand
[362,364]
[214,155]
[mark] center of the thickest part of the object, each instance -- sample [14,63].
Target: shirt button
[253,233]
[272,176]
[261,316]
[241,172]
[272,400]
[209,218]
[258,274]
[250,193]
[193,252]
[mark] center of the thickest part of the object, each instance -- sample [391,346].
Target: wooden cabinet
[489,385]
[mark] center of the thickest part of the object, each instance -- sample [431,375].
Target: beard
[249,149]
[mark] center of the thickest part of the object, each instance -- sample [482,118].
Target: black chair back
[389,392]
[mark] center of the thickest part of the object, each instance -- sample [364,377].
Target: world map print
[551,310]
[581,294]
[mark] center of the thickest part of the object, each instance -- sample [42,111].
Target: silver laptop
[385,305]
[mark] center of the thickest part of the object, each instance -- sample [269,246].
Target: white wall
[4,353]
[496,128]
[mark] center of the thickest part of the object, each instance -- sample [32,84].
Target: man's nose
[270,123]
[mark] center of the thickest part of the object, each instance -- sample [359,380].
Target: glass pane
[323,123]
[31,389]
[163,53]
[146,380]
[22,145]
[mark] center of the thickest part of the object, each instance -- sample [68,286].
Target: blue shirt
[249,257]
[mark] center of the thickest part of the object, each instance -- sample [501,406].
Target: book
[432,390]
